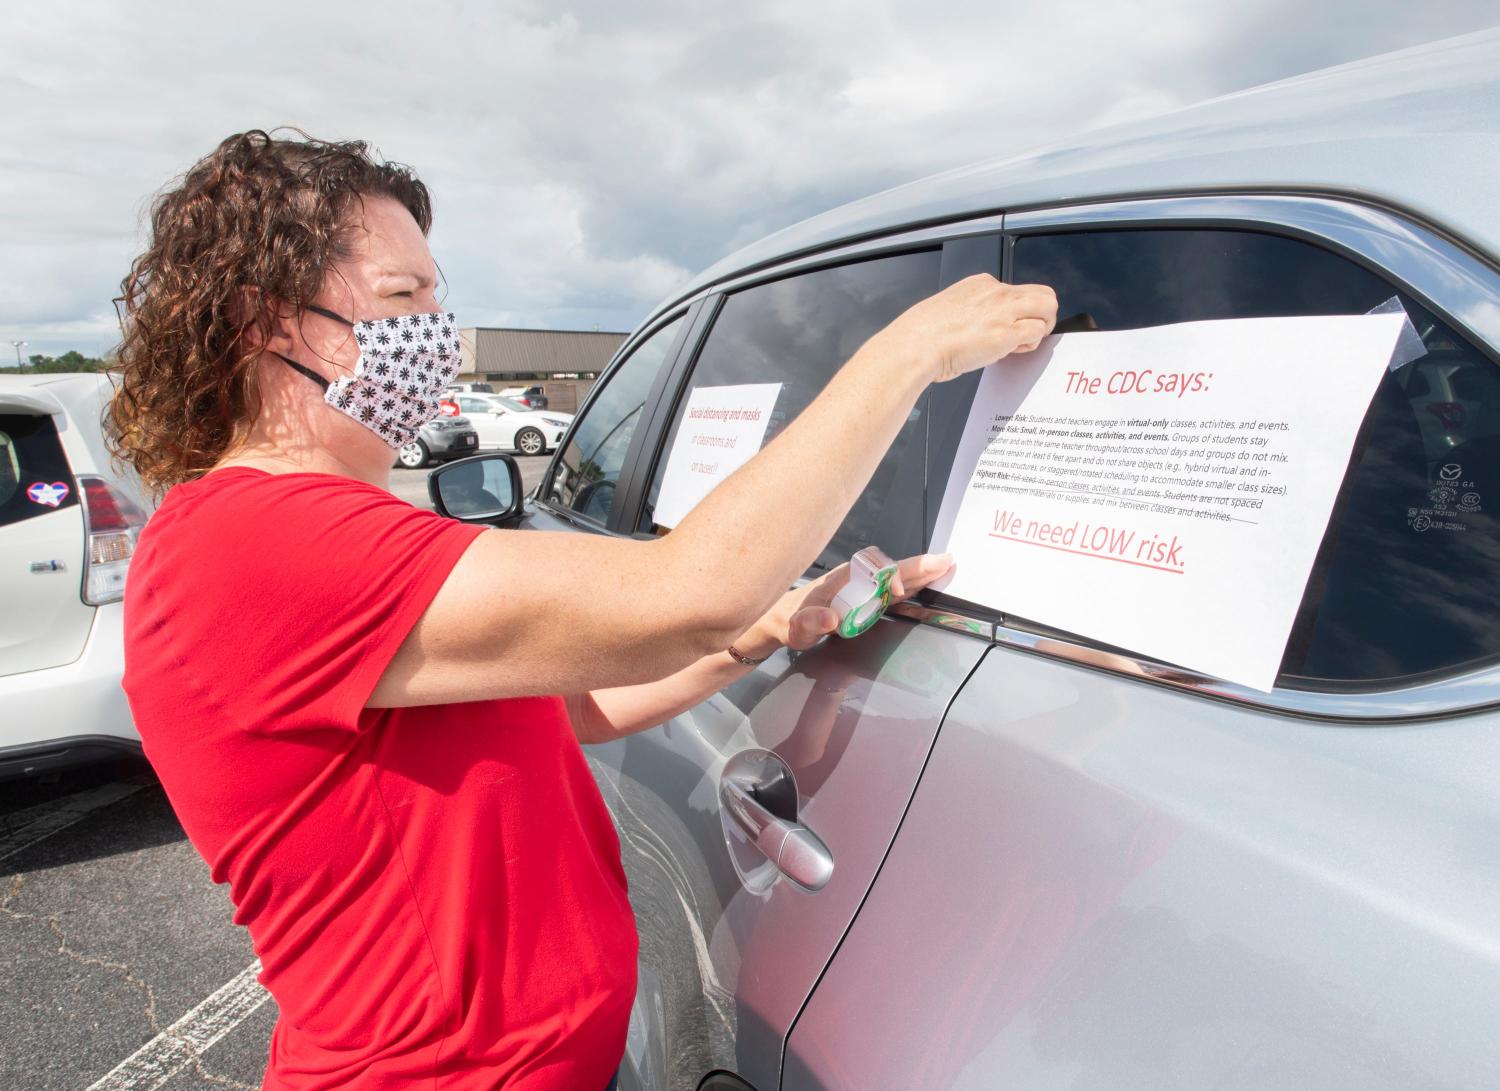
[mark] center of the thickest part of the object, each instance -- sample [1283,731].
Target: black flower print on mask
[415,357]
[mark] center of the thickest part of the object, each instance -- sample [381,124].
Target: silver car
[441,439]
[968,851]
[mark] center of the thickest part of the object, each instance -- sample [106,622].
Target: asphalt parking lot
[123,967]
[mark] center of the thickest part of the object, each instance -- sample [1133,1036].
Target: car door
[44,621]
[828,742]
[1117,874]
[508,423]
[481,414]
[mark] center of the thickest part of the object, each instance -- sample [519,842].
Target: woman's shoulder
[242,505]
[249,484]
[262,475]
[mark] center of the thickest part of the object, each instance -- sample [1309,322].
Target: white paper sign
[721,430]
[1164,490]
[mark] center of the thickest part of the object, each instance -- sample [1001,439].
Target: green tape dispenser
[864,598]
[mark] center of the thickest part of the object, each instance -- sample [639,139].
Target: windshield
[511,404]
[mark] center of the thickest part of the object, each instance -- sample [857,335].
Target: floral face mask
[405,364]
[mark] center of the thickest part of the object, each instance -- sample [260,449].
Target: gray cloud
[586,158]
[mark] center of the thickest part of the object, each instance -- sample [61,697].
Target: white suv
[68,525]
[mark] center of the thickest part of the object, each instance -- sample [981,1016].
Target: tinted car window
[1409,572]
[31,454]
[798,331]
[588,469]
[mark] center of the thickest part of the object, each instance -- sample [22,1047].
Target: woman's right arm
[617,612]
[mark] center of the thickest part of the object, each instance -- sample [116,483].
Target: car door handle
[797,852]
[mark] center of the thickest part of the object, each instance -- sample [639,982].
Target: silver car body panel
[730,949]
[1104,884]
[449,437]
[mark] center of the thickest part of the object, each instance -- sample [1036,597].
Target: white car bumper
[80,702]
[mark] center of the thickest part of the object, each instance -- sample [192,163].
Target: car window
[798,331]
[513,406]
[1409,573]
[587,470]
[473,405]
[34,473]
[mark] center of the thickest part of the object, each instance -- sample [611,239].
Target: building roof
[502,349]
[1417,129]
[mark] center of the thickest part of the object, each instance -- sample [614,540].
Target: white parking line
[51,818]
[184,1041]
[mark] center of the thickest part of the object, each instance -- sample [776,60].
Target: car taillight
[112,522]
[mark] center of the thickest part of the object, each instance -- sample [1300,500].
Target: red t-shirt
[435,893]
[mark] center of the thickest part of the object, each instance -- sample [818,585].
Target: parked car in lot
[532,397]
[68,525]
[507,425]
[446,437]
[1056,863]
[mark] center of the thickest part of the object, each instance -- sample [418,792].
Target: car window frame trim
[653,396]
[1340,227]
[930,240]
[948,223]
[674,389]
[1270,210]
[1337,226]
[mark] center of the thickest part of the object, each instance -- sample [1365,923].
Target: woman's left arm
[800,618]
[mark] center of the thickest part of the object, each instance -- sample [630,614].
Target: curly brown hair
[251,230]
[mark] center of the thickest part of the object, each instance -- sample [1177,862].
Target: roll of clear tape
[862,600]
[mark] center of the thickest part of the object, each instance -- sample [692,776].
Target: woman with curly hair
[368,717]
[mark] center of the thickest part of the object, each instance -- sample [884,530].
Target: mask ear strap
[326,313]
[311,374]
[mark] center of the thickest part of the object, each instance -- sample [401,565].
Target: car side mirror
[478,489]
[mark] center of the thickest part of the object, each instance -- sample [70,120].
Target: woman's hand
[971,323]
[804,615]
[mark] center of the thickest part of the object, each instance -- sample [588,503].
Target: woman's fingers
[975,322]
[810,625]
[915,573]
[832,581]
[1030,332]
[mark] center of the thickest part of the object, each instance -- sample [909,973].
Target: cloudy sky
[587,157]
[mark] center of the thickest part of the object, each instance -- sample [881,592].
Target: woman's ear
[262,322]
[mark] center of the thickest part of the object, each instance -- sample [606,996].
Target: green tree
[72,360]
